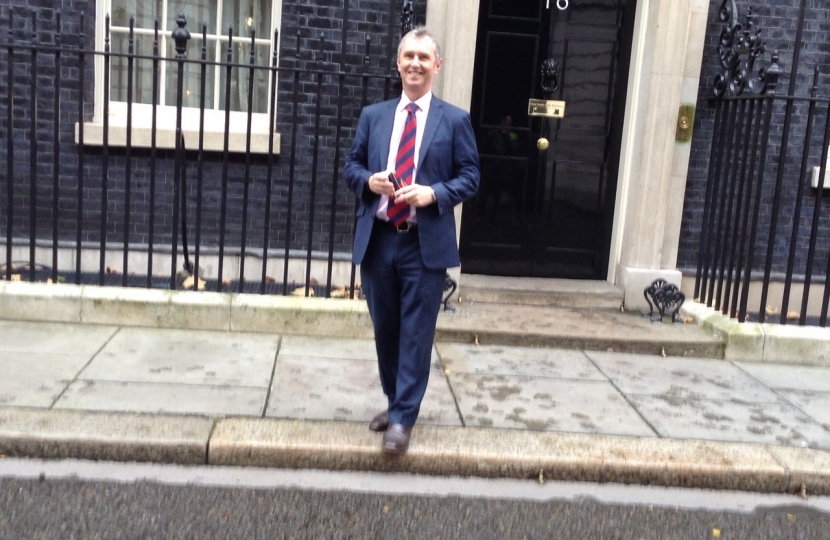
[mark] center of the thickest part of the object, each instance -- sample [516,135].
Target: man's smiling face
[417,64]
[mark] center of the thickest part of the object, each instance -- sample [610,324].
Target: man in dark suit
[405,232]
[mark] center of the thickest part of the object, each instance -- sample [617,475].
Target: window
[243,16]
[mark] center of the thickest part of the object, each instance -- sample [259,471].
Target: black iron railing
[764,222]
[71,197]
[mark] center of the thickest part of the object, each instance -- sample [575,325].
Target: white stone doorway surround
[666,57]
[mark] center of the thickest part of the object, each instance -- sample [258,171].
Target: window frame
[214,124]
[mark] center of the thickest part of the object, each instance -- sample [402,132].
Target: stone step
[564,293]
[569,328]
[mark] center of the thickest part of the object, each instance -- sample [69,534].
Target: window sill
[214,141]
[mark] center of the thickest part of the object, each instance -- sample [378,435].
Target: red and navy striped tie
[404,165]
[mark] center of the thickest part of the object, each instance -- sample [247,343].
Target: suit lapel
[436,112]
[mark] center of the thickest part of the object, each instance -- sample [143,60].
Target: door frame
[664,72]
[530,256]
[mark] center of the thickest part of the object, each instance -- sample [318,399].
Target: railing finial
[738,49]
[181,36]
[407,17]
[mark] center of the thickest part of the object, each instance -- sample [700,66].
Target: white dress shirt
[397,130]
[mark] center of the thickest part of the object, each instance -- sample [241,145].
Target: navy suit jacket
[447,162]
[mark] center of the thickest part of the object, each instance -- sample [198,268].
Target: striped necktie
[404,165]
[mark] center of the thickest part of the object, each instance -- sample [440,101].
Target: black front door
[546,202]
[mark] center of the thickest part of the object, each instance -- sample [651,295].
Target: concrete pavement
[603,405]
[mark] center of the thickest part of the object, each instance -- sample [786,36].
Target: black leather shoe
[379,422]
[396,439]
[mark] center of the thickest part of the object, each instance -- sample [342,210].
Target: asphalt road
[70,506]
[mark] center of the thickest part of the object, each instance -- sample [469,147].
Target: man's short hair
[421,32]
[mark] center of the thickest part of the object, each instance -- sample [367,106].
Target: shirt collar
[422,102]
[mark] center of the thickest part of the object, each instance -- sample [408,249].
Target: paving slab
[89,395]
[814,404]
[321,347]
[351,349]
[788,376]
[524,361]
[186,357]
[349,390]
[103,436]
[53,338]
[499,453]
[719,420]
[36,380]
[535,403]
[681,378]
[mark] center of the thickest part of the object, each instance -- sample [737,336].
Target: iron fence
[67,199]
[764,223]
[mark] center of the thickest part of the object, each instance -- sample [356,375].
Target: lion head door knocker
[550,76]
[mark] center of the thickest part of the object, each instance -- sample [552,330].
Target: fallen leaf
[301,291]
[716,533]
[790,517]
[339,293]
[793,315]
[686,319]
[385,509]
[15,277]
[269,279]
[772,310]
[226,281]
[187,284]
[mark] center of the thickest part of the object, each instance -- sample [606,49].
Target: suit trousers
[403,297]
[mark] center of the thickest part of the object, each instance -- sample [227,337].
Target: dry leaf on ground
[187,284]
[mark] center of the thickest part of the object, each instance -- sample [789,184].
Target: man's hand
[379,183]
[415,195]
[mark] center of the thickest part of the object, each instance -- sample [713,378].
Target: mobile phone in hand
[394,181]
